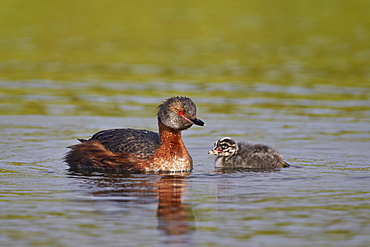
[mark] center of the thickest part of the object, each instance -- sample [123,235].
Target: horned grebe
[140,150]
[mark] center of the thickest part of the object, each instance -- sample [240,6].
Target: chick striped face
[224,147]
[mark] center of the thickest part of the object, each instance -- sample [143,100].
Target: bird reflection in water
[175,218]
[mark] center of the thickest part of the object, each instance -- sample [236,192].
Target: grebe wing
[139,142]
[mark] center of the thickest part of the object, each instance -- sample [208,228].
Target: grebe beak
[197,121]
[213,151]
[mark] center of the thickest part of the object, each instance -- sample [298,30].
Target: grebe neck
[171,154]
[169,135]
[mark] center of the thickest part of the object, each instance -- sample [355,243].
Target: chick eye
[224,146]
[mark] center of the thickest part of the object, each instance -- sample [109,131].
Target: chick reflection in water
[175,218]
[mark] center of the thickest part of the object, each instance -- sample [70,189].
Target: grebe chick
[245,155]
[140,150]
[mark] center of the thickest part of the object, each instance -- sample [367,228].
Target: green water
[76,48]
[294,75]
[283,42]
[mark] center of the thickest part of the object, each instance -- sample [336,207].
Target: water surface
[321,200]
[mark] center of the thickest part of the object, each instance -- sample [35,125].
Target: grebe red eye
[180,113]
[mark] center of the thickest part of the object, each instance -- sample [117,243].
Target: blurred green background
[200,43]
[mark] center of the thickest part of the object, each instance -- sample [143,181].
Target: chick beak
[213,151]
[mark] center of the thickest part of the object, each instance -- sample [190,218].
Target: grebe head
[178,113]
[224,147]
